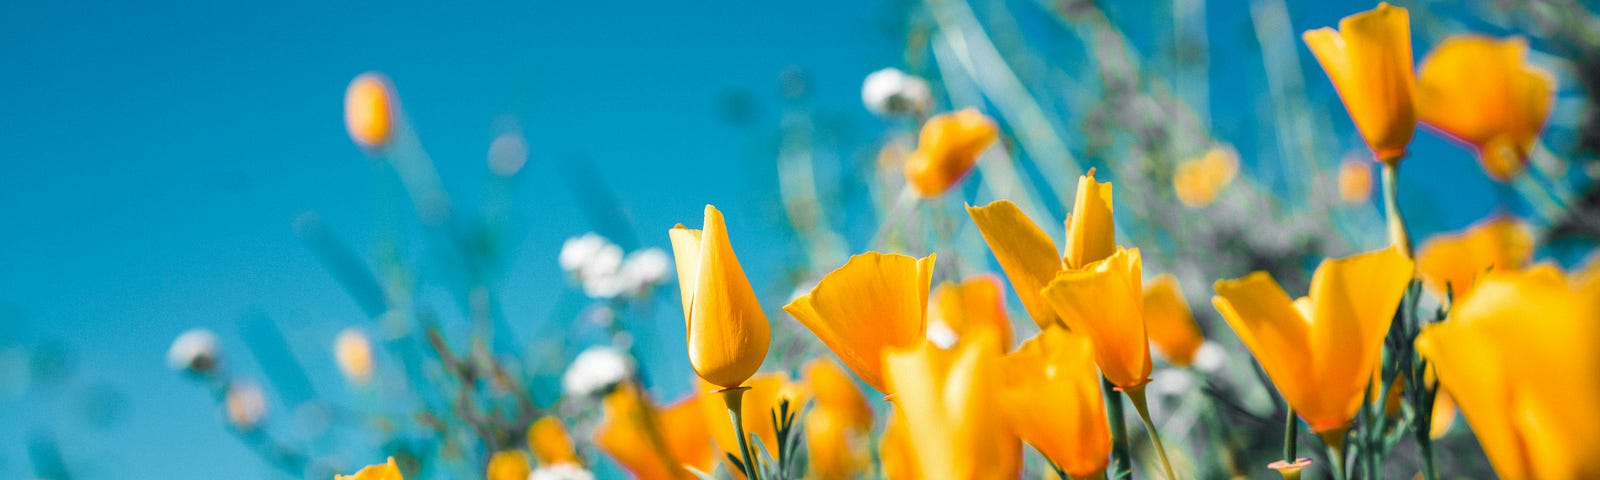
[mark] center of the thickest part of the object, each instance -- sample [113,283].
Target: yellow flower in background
[833,389]
[508,465]
[550,443]
[369,110]
[1199,181]
[759,402]
[979,300]
[1052,399]
[895,450]
[382,471]
[1029,257]
[955,431]
[728,332]
[353,353]
[1482,91]
[1521,357]
[873,303]
[655,444]
[949,146]
[1456,259]
[1355,181]
[1169,322]
[1369,60]
[836,447]
[1105,301]
[1320,350]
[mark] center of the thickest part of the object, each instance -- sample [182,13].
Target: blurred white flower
[561,471]
[596,369]
[603,272]
[893,92]
[644,269]
[1210,357]
[507,154]
[940,335]
[353,352]
[245,405]
[194,351]
[577,251]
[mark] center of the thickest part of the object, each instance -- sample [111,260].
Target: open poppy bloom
[1320,351]
[1169,322]
[1369,60]
[1105,301]
[383,471]
[653,443]
[1029,257]
[1521,357]
[873,303]
[1455,260]
[1199,181]
[1483,92]
[978,301]
[954,430]
[728,332]
[1052,399]
[948,148]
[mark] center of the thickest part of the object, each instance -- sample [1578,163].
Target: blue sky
[153,158]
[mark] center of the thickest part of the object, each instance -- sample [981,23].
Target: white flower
[940,335]
[353,352]
[893,92]
[507,154]
[577,251]
[245,405]
[644,269]
[194,350]
[561,471]
[596,369]
[1209,357]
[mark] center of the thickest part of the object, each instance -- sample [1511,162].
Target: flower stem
[1335,440]
[734,399]
[1136,394]
[1398,234]
[1121,467]
[1290,431]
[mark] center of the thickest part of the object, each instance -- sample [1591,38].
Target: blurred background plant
[1229,151]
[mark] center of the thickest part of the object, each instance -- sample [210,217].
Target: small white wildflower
[644,269]
[1210,357]
[893,92]
[577,251]
[596,369]
[194,351]
[561,471]
[1171,382]
[507,154]
[245,405]
[604,286]
[941,335]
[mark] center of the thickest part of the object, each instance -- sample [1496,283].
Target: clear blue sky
[153,157]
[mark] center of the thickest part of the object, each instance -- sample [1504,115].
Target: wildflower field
[1068,239]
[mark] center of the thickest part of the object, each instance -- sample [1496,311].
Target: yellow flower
[976,301]
[1029,257]
[1456,259]
[549,442]
[1482,91]
[353,352]
[1105,300]
[1170,322]
[833,389]
[836,447]
[1369,61]
[957,432]
[1320,350]
[895,450]
[1052,399]
[949,146]
[728,333]
[1355,181]
[874,302]
[1198,181]
[1521,357]
[508,465]
[655,444]
[759,402]
[369,110]
[383,471]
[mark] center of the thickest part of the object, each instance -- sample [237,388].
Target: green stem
[734,398]
[1398,235]
[1136,394]
[1425,443]
[1290,431]
[1335,441]
[1121,467]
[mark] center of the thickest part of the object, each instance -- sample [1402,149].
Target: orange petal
[977,302]
[1091,232]
[1170,322]
[369,110]
[383,471]
[949,146]
[957,432]
[1369,60]
[1354,300]
[728,332]
[1482,91]
[507,465]
[1455,260]
[549,442]
[836,390]
[1276,333]
[1052,399]
[1026,254]
[1105,301]
[874,302]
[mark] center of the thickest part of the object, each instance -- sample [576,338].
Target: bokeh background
[154,159]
